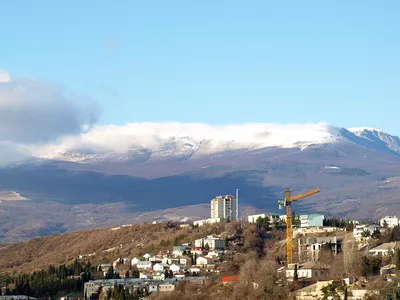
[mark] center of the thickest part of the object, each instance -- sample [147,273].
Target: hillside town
[332,259]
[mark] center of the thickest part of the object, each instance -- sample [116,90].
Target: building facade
[312,220]
[224,207]
[212,242]
[254,218]
[206,221]
[92,287]
[310,248]
[389,221]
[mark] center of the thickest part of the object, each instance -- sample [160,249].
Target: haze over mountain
[111,175]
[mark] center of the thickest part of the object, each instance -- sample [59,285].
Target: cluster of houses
[186,262]
[189,259]
[137,285]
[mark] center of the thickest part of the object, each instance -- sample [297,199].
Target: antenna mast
[237,204]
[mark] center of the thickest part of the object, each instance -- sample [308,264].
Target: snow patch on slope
[378,138]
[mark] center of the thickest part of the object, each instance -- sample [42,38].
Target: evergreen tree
[207,247]
[385,224]
[295,275]
[376,234]
[398,259]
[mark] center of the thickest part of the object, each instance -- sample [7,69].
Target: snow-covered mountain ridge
[151,140]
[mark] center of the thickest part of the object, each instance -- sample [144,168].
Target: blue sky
[214,61]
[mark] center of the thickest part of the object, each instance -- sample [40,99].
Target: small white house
[306,270]
[146,256]
[160,267]
[203,261]
[144,265]
[389,221]
[211,241]
[194,270]
[164,260]
[167,287]
[174,268]
[384,249]
[134,261]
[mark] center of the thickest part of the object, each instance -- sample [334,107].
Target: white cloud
[34,111]
[204,138]
[4,76]
[12,153]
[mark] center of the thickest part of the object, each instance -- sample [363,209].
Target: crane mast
[289,219]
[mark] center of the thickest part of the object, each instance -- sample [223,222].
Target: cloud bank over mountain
[36,112]
[40,119]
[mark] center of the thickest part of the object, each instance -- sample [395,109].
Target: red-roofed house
[230,279]
[202,261]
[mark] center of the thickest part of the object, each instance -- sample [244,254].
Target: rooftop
[386,246]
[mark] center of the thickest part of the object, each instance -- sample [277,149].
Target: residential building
[175,268]
[150,285]
[212,242]
[253,218]
[313,230]
[389,221]
[195,270]
[305,270]
[312,220]
[206,221]
[145,264]
[224,207]
[160,267]
[283,218]
[203,261]
[230,279]
[364,231]
[385,249]
[311,292]
[134,261]
[168,287]
[310,248]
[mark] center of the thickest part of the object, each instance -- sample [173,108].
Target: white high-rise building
[224,207]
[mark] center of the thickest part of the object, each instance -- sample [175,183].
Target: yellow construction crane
[289,221]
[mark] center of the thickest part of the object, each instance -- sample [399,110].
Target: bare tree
[352,258]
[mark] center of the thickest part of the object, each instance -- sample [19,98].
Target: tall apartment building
[224,207]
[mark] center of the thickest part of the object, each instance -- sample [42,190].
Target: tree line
[50,282]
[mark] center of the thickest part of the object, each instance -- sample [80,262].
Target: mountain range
[140,172]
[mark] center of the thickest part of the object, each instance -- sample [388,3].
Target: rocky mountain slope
[112,175]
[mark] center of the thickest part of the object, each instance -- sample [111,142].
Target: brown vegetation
[130,241]
[258,280]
